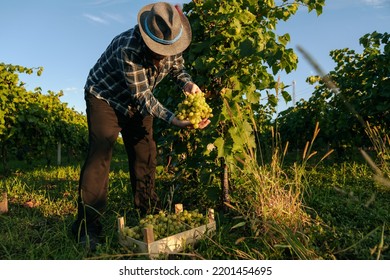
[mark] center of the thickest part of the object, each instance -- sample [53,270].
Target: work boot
[88,236]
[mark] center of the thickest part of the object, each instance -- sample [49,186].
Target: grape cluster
[194,109]
[165,224]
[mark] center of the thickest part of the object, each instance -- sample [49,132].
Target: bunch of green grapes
[165,224]
[194,109]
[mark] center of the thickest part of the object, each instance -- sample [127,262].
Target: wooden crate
[168,245]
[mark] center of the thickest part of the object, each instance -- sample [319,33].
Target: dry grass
[271,201]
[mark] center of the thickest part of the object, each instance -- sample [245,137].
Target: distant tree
[32,123]
[362,95]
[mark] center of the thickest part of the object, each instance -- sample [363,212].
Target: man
[119,99]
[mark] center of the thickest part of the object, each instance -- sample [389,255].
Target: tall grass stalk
[381,143]
[271,202]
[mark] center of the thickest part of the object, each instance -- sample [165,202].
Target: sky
[66,37]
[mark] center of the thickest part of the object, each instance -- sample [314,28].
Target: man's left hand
[191,87]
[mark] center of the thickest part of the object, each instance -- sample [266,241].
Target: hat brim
[162,49]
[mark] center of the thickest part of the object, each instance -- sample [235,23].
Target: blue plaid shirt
[125,77]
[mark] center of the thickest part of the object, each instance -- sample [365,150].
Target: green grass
[353,209]
[350,217]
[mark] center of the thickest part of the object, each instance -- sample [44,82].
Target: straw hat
[165,29]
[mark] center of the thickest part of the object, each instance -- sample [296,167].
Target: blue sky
[66,37]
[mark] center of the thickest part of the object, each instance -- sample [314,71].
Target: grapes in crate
[165,224]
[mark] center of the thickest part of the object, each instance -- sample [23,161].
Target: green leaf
[247,47]
[241,224]
[286,96]
[253,96]
[246,17]
[235,83]
[220,144]
[272,100]
[284,39]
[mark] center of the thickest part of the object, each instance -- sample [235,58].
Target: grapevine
[165,224]
[194,109]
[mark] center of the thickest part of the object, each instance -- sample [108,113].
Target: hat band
[159,40]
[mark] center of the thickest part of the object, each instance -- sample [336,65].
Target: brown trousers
[104,125]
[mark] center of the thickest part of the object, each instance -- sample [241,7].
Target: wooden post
[211,215]
[178,208]
[59,153]
[121,224]
[3,203]
[225,185]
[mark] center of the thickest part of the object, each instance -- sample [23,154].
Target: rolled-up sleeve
[178,72]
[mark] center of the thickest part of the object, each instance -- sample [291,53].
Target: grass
[341,213]
[352,208]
